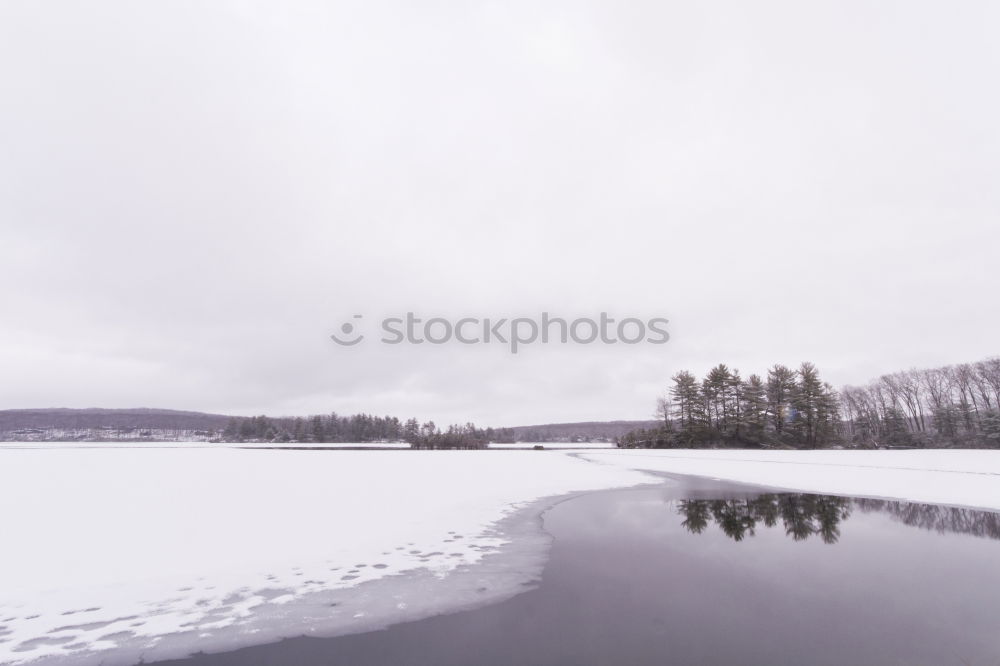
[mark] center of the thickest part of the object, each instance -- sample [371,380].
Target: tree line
[468,436]
[360,428]
[950,407]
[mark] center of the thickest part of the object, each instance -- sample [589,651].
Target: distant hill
[79,419]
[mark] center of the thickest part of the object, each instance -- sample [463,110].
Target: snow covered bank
[956,477]
[114,548]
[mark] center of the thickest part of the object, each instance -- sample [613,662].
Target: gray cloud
[193,195]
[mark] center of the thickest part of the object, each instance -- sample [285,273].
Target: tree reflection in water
[802,515]
[984,524]
[805,515]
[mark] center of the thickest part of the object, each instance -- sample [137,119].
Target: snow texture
[124,550]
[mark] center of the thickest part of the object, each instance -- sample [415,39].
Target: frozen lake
[112,554]
[709,573]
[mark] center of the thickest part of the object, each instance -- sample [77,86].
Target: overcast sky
[195,194]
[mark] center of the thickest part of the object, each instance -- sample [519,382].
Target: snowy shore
[969,478]
[113,547]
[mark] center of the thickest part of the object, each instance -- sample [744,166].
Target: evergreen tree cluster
[788,409]
[429,436]
[319,428]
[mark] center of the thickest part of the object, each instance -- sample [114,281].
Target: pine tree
[718,392]
[689,402]
[807,398]
[780,384]
[753,414]
[411,431]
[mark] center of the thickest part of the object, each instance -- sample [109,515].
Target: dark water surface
[712,573]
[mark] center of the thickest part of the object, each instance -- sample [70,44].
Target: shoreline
[625,579]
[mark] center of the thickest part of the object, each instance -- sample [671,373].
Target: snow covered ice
[959,477]
[104,546]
